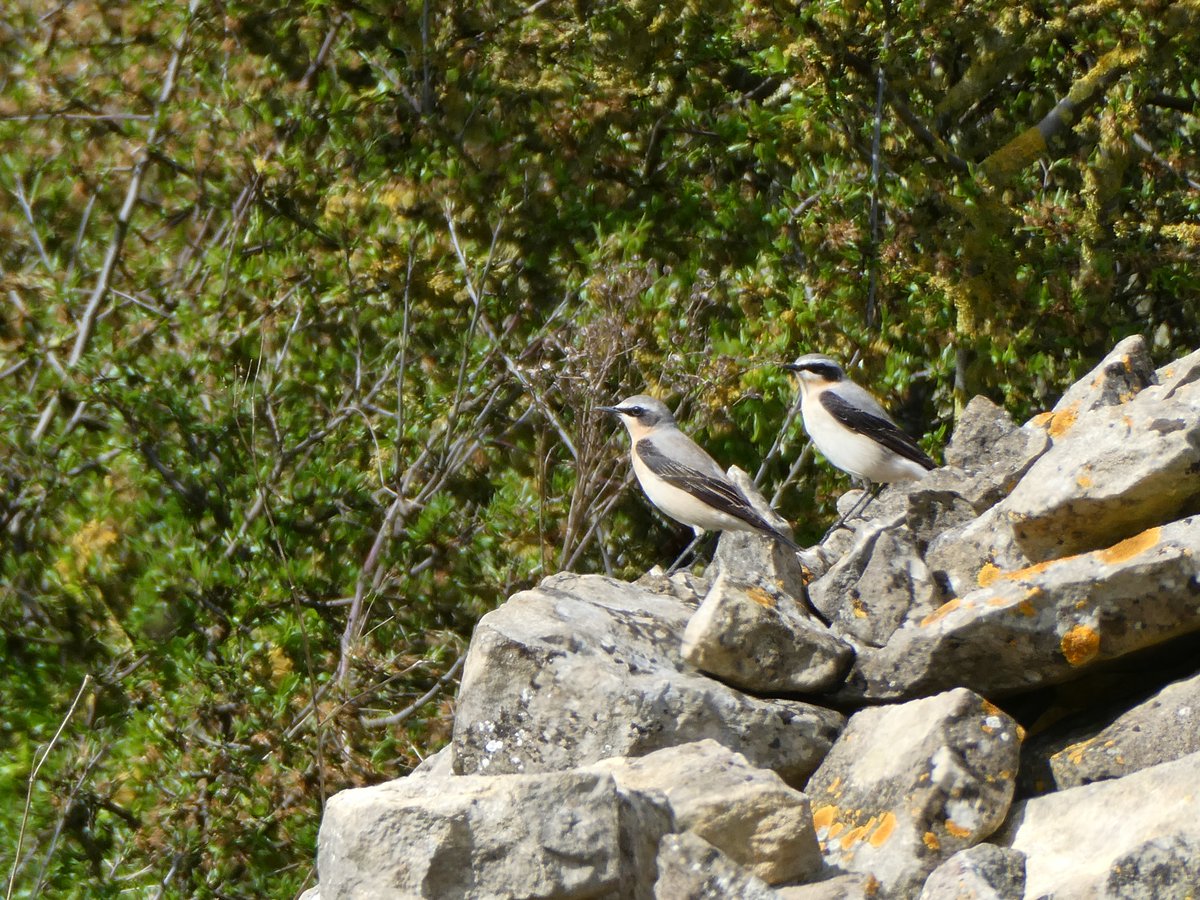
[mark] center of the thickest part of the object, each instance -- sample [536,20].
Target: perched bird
[680,478]
[850,427]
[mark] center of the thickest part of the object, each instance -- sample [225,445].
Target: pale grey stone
[758,638]
[1175,376]
[839,887]
[440,763]
[876,585]
[553,835]
[1162,728]
[584,667]
[907,786]
[1113,473]
[313,893]
[982,872]
[1044,624]
[1116,379]
[1085,842]
[690,868]
[1161,868]
[683,586]
[747,813]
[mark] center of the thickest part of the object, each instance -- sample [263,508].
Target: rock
[313,893]
[1158,869]
[1117,379]
[559,834]
[1113,474]
[961,559]
[583,668]
[982,872]
[758,639]
[755,560]
[682,585]
[440,763]
[839,887]
[1043,624]
[690,868]
[747,813]
[905,787]
[1163,728]
[1175,376]
[871,590]
[1137,836]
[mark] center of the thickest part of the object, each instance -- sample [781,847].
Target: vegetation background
[304,308]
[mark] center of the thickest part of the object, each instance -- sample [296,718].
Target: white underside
[855,453]
[682,506]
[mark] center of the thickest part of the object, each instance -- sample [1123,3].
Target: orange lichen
[957,830]
[1026,609]
[858,608]
[941,612]
[887,824]
[1083,480]
[824,816]
[1131,547]
[987,574]
[1080,645]
[835,829]
[1061,422]
[833,786]
[854,835]
[931,841]
[1041,419]
[761,597]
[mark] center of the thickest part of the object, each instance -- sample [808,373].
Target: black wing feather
[721,495]
[877,429]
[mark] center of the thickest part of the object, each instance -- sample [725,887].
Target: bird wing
[711,487]
[878,428]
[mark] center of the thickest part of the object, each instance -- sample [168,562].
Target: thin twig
[37,767]
[402,715]
[87,323]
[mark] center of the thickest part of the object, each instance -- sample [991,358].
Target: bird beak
[607,409]
[792,367]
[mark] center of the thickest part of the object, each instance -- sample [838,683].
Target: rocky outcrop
[584,668]
[707,735]
[907,786]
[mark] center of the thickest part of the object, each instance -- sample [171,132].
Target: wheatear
[680,478]
[850,427]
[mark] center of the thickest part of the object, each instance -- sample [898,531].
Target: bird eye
[635,411]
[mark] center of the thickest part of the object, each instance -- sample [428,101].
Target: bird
[680,478]
[851,429]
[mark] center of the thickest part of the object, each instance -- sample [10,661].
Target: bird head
[640,414]
[816,369]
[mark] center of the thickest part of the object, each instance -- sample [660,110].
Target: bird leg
[870,492]
[689,550]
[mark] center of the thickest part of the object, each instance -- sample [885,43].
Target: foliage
[305,309]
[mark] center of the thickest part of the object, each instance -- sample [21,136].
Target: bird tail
[785,540]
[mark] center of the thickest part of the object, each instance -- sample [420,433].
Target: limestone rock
[313,893]
[757,638]
[982,872]
[583,668]
[682,585]
[1109,475]
[870,591]
[559,834]
[755,560]
[440,763]
[1175,376]
[1163,728]
[690,868]
[1116,379]
[1042,624]
[839,887]
[960,558]
[907,786]
[1137,836]
[747,813]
